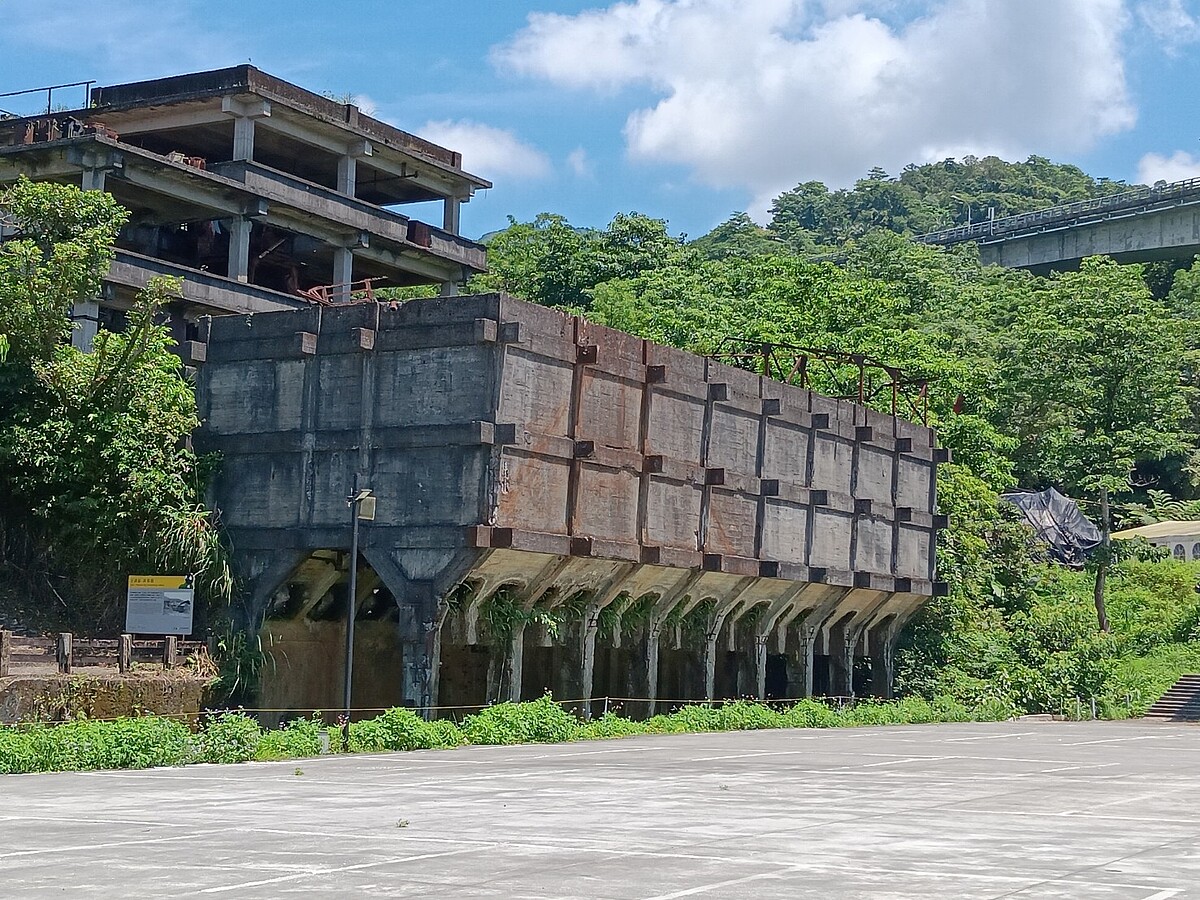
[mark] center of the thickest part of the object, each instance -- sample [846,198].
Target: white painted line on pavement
[317,873]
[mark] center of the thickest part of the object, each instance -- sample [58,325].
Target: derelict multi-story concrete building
[560,506]
[261,195]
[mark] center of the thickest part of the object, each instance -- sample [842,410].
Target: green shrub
[299,737]
[229,738]
[442,734]
[610,725]
[402,729]
[810,714]
[747,716]
[540,721]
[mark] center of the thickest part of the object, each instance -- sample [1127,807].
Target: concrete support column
[93,179]
[85,323]
[347,167]
[239,249]
[804,659]
[244,114]
[587,656]
[710,662]
[883,667]
[343,273]
[347,175]
[451,215]
[842,640]
[243,138]
[578,667]
[650,660]
[514,665]
[760,666]
[421,645]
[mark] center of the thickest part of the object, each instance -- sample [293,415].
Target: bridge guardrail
[1113,203]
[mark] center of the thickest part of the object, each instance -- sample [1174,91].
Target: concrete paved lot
[1024,809]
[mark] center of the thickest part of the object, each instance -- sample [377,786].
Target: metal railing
[49,90]
[841,375]
[1135,201]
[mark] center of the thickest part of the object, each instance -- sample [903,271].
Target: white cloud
[1179,166]
[1170,22]
[487,151]
[579,163]
[762,94]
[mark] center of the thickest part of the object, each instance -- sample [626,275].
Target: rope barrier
[310,711]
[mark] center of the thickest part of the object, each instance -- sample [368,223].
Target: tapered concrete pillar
[804,659]
[239,249]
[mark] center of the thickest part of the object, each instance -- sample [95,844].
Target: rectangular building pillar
[451,215]
[515,665]
[760,666]
[85,324]
[243,138]
[347,175]
[93,179]
[239,249]
[343,273]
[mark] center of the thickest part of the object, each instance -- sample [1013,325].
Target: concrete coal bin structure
[561,506]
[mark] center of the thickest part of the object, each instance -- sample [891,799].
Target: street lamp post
[362,507]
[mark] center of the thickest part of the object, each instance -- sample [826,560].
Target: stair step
[1180,702]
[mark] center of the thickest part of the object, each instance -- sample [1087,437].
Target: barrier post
[63,652]
[170,652]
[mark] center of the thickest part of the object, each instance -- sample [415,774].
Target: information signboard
[160,604]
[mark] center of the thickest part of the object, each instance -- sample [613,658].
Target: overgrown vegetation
[1085,380]
[97,478]
[235,737]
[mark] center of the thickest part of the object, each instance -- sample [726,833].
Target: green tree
[97,480]
[1093,384]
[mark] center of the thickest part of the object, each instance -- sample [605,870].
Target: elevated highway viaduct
[1140,225]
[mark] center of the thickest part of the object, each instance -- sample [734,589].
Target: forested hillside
[926,198]
[1085,381]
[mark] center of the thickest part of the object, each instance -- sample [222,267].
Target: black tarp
[1059,523]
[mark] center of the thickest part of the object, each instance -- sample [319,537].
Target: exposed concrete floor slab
[1025,810]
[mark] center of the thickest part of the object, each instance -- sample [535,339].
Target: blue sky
[687,110]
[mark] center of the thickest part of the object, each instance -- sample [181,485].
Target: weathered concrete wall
[572,472]
[58,698]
